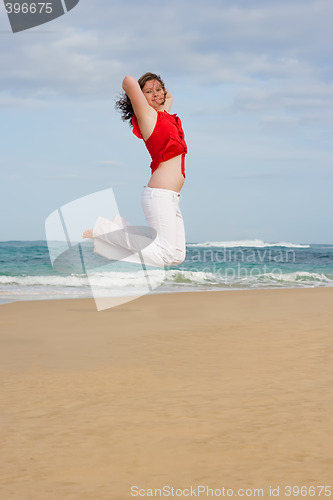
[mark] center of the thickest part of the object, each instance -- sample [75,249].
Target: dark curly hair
[124,105]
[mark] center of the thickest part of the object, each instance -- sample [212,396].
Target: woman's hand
[168,101]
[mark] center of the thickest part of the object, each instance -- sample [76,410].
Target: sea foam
[247,243]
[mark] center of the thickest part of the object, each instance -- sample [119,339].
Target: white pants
[162,244]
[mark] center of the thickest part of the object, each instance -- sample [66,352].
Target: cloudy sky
[252,81]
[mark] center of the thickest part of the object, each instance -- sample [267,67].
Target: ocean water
[26,272]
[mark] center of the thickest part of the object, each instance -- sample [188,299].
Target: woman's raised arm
[139,102]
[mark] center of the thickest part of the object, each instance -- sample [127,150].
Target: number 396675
[28,8]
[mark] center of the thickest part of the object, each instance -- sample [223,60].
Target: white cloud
[299,102]
[215,42]
[13,177]
[11,100]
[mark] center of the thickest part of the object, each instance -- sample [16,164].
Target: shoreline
[176,389]
[231,289]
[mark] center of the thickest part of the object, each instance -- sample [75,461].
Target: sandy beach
[225,389]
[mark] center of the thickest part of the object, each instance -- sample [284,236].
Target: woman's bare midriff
[168,175]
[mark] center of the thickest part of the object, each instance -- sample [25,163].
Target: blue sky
[252,82]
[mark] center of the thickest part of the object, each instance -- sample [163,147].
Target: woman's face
[154,93]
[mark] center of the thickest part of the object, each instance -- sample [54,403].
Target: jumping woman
[146,103]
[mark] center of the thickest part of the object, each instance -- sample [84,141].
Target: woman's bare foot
[88,234]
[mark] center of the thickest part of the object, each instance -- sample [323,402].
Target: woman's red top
[166,141]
